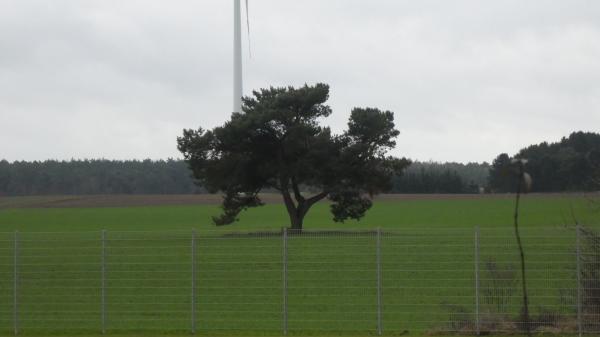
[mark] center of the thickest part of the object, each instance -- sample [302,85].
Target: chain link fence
[380,282]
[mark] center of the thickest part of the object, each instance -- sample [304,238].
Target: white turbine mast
[237,53]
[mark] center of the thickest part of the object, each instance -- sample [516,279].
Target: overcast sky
[467,80]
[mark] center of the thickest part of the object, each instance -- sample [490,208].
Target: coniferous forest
[571,164]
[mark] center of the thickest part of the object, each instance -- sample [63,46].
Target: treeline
[432,177]
[572,164]
[78,177]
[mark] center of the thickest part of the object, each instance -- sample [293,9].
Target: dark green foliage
[173,177]
[568,165]
[277,143]
[348,205]
[233,204]
[501,178]
[100,176]
[431,177]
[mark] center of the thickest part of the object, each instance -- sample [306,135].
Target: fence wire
[434,281]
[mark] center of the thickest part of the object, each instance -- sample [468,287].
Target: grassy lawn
[427,268]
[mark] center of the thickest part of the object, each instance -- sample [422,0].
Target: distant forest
[78,177]
[572,164]
[432,177]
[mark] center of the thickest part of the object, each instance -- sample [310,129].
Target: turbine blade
[248,26]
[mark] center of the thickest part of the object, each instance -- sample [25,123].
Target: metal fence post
[578,263]
[477,323]
[193,299]
[379,298]
[284,279]
[16,283]
[103,283]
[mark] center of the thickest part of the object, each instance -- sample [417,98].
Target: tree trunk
[294,212]
[296,222]
[297,209]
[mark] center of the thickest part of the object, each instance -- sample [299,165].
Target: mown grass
[427,261]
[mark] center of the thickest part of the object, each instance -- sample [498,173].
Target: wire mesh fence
[417,280]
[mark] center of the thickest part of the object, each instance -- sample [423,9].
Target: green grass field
[537,211]
[427,260]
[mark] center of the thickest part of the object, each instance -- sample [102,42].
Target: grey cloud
[467,79]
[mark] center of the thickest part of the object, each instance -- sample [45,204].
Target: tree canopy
[568,165]
[278,143]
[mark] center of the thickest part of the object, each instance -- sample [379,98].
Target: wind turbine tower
[237,57]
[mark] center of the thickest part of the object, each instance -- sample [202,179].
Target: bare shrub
[499,287]
[590,279]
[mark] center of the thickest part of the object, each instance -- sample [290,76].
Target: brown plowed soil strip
[112,200]
[203,199]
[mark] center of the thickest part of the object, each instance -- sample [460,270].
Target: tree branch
[307,204]
[297,194]
[314,199]
[287,198]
